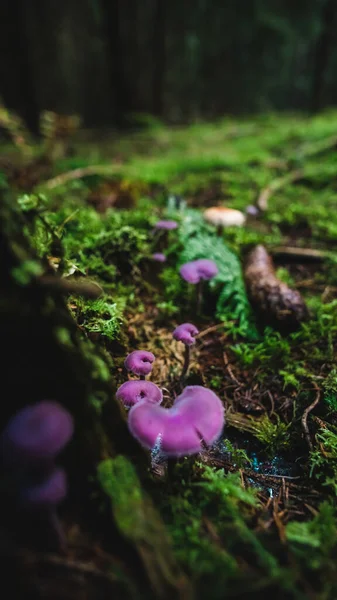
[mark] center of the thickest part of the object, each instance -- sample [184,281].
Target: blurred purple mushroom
[196,272]
[139,362]
[166,225]
[184,333]
[196,418]
[36,434]
[29,444]
[252,210]
[49,492]
[159,257]
[132,392]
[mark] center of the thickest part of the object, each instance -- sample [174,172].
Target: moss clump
[323,460]
[102,316]
[313,545]
[210,520]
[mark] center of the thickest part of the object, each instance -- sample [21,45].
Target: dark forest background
[178,59]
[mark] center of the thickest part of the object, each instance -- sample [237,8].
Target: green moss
[119,481]
[215,506]
[26,271]
[323,460]
[101,316]
[314,544]
[63,336]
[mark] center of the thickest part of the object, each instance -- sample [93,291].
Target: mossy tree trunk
[45,356]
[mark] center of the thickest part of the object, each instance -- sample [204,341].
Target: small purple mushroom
[184,333]
[36,434]
[196,272]
[159,257]
[132,392]
[166,225]
[252,210]
[140,362]
[49,492]
[196,418]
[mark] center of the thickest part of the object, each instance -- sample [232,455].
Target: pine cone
[273,299]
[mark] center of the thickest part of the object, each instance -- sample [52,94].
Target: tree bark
[159,57]
[322,54]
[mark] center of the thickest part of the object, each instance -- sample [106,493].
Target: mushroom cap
[196,417]
[166,225]
[184,333]
[50,491]
[252,210]
[196,270]
[36,433]
[139,362]
[159,257]
[225,217]
[132,392]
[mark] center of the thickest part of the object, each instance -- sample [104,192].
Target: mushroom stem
[171,465]
[187,357]
[219,230]
[55,531]
[199,295]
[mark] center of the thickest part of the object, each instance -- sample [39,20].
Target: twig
[210,330]
[306,413]
[50,184]
[275,185]
[88,289]
[306,253]
[227,366]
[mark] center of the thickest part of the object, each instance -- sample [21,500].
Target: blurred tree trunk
[322,53]
[159,57]
[16,74]
[111,12]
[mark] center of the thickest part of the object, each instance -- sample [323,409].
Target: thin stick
[306,413]
[187,358]
[199,296]
[305,253]
[274,186]
[50,184]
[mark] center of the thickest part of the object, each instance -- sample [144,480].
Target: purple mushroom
[166,225]
[159,257]
[132,392]
[139,362]
[36,434]
[49,492]
[196,272]
[196,418]
[199,270]
[184,333]
[29,444]
[252,210]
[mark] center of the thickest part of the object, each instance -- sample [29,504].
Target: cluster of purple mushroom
[29,444]
[195,419]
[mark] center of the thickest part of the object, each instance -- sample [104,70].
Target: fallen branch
[88,289]
[301,253]
[79,174]
[276,185]
[272,298]
[307,411]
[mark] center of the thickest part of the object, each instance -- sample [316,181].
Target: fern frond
[198,240]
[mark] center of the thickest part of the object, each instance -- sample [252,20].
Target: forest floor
[256,513]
